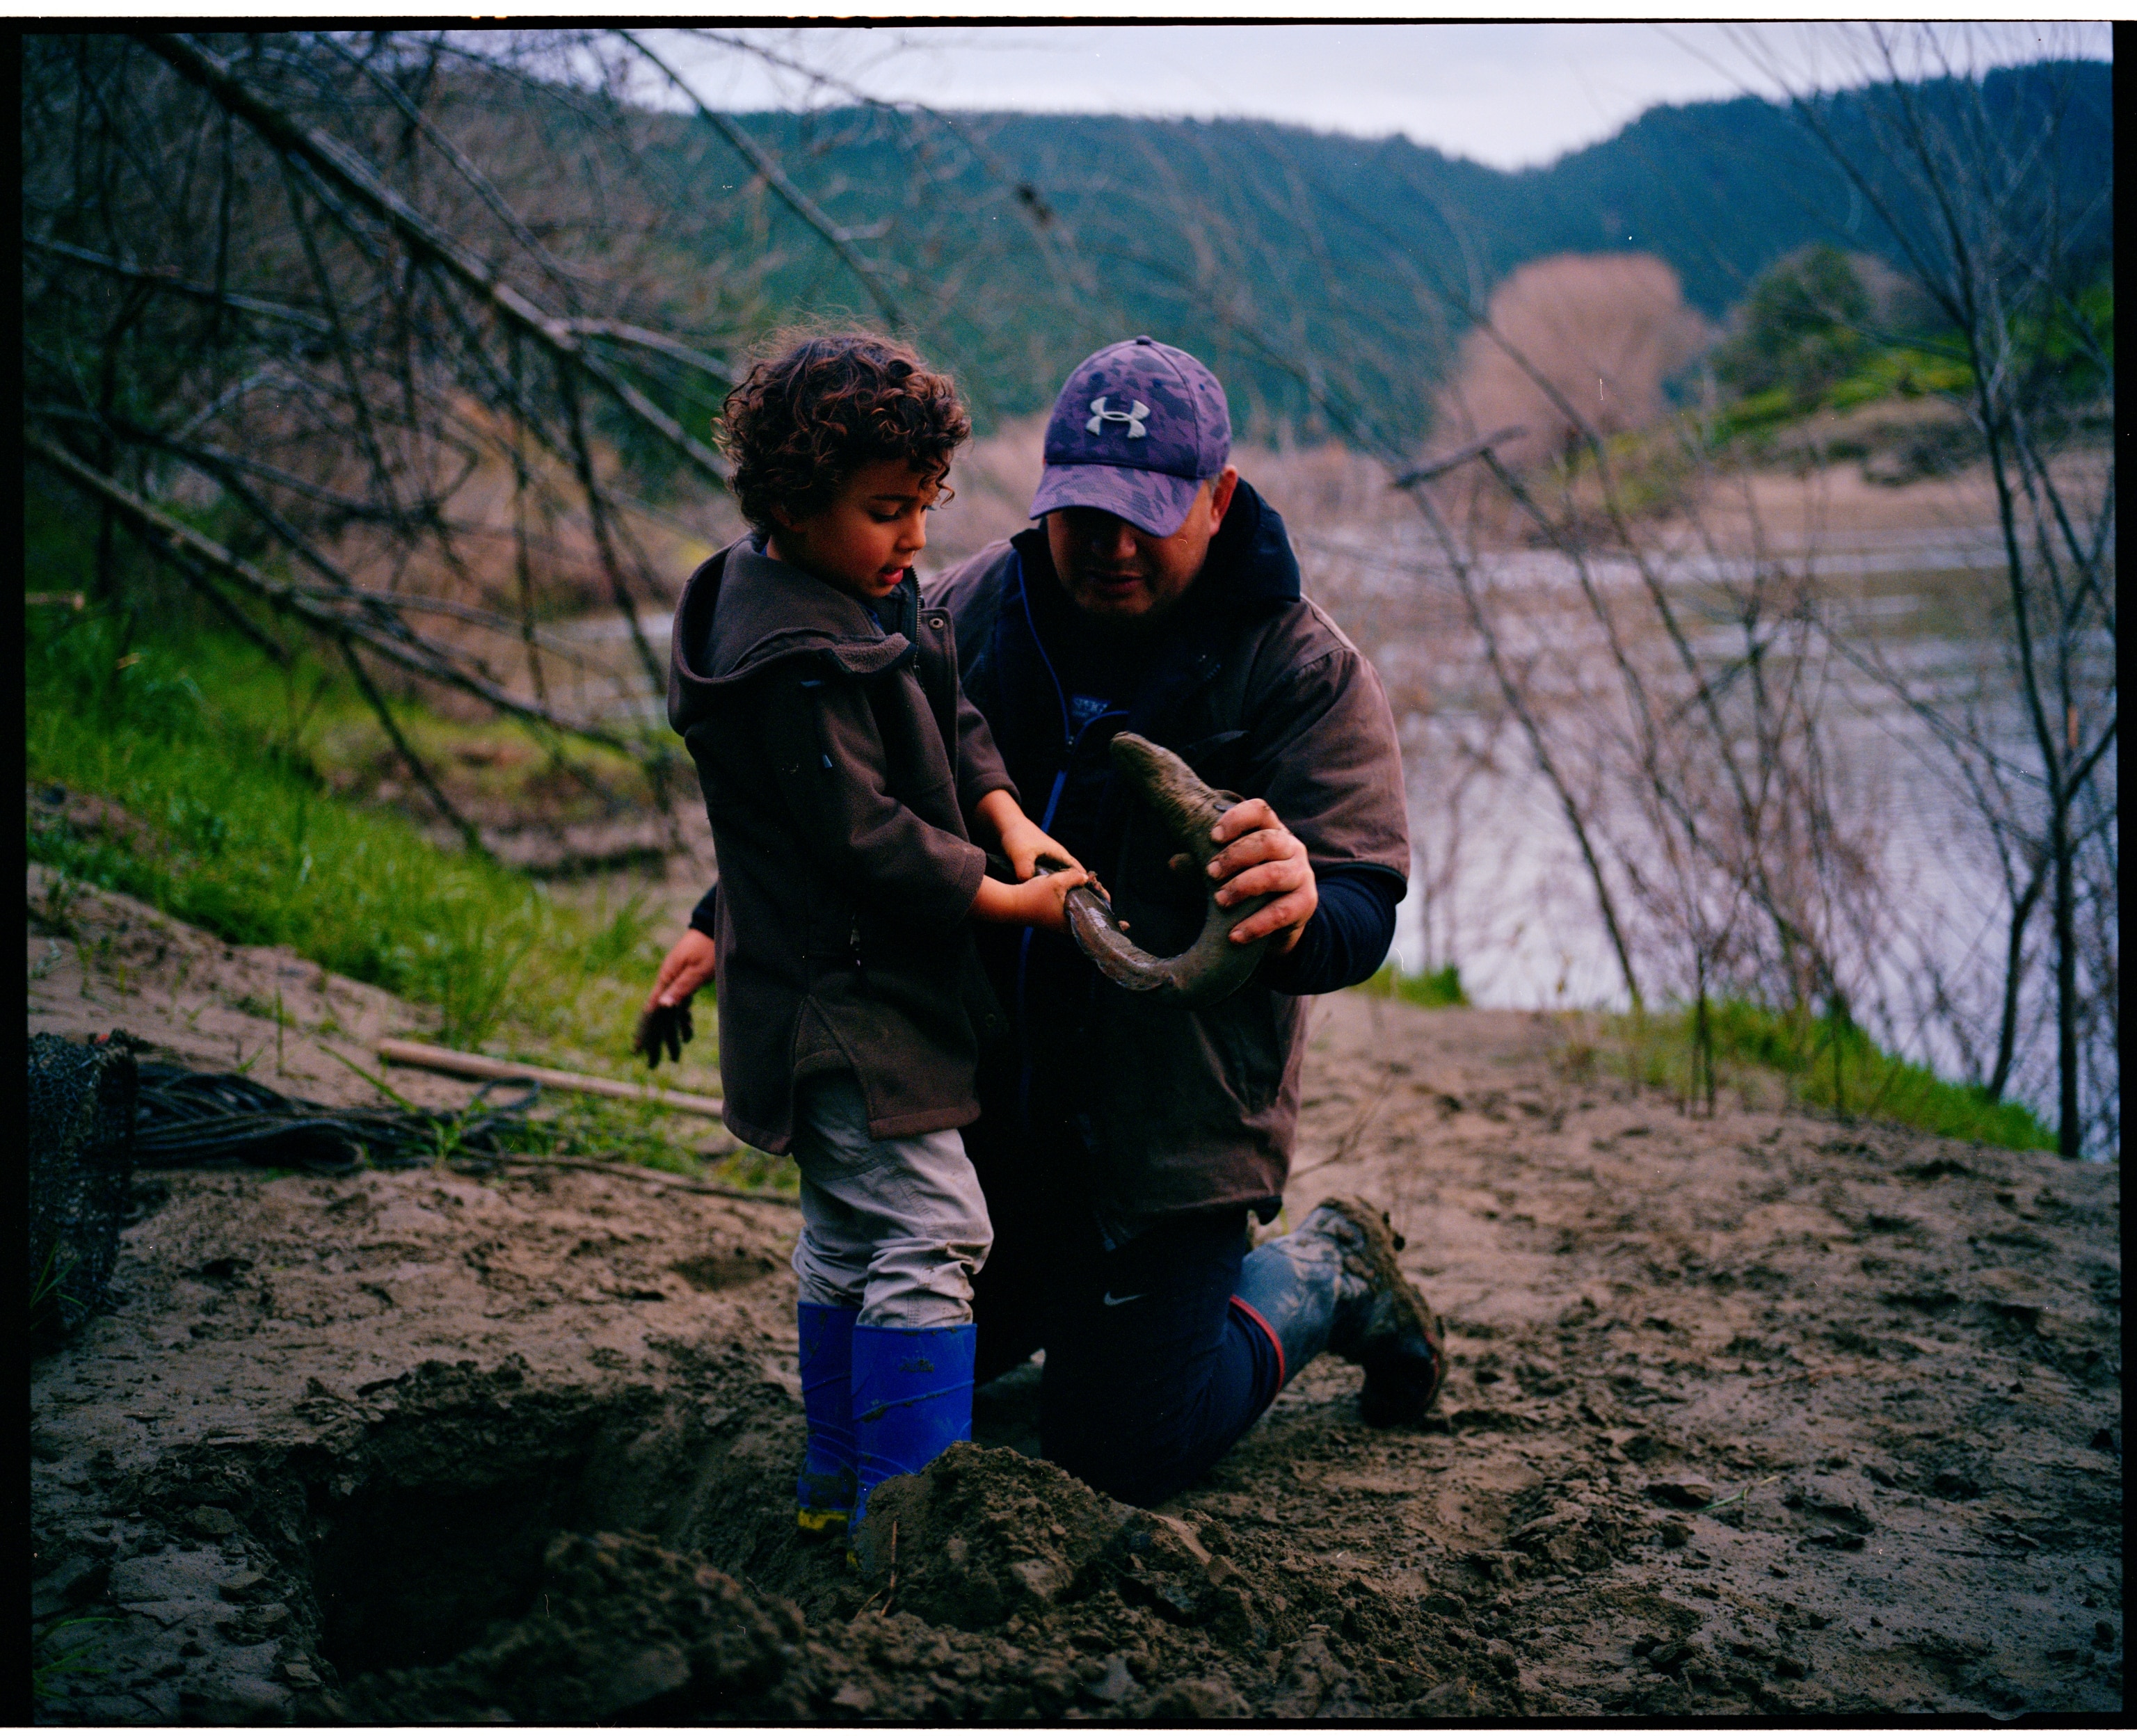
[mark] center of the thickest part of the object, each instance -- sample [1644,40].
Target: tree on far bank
[1802,328]
[1599,331]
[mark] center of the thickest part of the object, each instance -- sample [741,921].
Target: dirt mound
[1153,1618]
[623,1629]
[999,1589]
[981,1535]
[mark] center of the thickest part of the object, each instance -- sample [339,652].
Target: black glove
[659,1027]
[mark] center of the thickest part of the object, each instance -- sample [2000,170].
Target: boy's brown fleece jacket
[842,765]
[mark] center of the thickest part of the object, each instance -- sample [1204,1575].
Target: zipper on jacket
[1038,644]
[1023,972]
[1072,739]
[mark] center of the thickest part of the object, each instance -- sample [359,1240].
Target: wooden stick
[639,1172]
[483,1066]
[1439,466]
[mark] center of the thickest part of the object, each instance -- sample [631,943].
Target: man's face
[1122,577]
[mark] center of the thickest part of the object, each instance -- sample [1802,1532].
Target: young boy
[844,772]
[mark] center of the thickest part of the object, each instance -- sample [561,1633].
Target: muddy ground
[1758,1414]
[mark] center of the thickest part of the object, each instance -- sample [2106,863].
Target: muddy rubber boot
[913,1397]
[1332,1284]
[824,1492]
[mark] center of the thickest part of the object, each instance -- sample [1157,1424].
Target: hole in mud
[409,1576]
[453,1511]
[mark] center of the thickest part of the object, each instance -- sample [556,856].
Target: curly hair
[802,422]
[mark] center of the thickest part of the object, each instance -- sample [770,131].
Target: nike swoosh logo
[1115,1302]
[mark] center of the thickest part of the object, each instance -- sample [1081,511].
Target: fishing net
[97,1113]
[205,1120]
[81,1162]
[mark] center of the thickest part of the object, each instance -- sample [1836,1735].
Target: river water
[1522,923]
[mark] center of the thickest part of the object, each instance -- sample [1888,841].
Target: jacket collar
[768,610]
[1250,565]
[1251,555]
[1251,571]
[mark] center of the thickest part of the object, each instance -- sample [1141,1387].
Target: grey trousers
[894,1228]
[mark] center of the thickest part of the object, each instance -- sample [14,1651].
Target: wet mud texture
[1758,1414]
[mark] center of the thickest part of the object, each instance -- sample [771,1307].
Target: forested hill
[1021,240]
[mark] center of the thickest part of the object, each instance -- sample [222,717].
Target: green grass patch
[233,828]
[616,1129]
[1440,988]
[758,1171]
[1894,374]
[310,716]
[226,823]
[1829,1063]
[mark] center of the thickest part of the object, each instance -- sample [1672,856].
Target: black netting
[82,1102]
[96,1112]
[195,1120]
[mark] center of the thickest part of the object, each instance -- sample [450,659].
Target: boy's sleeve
[827,757]
[980,769]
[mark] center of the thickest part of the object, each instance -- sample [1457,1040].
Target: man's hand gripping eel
[1216,965]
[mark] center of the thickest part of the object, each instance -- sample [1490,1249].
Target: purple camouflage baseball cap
[1138,427]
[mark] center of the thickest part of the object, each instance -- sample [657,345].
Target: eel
[1216,965]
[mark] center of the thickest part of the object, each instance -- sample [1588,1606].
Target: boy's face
[863,540]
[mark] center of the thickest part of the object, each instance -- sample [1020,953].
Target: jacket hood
[1251,553]
[743,611]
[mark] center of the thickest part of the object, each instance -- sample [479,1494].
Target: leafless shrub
[1697,784]
[1960,190]
[1601,331]
[406,340]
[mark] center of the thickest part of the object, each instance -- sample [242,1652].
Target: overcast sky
[1508,94]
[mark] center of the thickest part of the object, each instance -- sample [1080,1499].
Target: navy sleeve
[1346,937]
[706,918]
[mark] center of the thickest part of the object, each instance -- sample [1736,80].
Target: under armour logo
[1100,415]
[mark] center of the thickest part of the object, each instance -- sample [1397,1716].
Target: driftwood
[484,1066]
[653,1177]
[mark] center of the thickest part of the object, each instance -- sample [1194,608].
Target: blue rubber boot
[1332,1284]
[824,1492]
[913,1397]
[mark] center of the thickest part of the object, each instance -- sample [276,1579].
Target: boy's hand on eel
[1022,841]
[1024,844]
[1039,902]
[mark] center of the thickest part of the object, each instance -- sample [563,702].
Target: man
[1123,1145]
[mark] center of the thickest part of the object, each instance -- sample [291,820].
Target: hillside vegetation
[1239,239]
